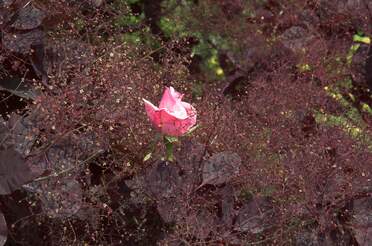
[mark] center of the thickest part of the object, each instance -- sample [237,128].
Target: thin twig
[16,124]
[94,155]
[45,148]
[73,230]
[12,93]
[149,54]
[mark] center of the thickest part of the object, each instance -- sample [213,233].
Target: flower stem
[169,141]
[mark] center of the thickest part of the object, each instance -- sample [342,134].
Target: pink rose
[173,117]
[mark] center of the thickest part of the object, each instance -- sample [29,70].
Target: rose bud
[173,117]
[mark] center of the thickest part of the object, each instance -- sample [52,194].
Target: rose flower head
[173,117]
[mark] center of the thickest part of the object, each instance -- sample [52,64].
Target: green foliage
[197,89]
[210,64]
[246,195]
[169,146]
[366,108]
[346,125]
[132,38]
[136,34]
[351,121]
[130,1]
[147,157]
[142,38]
[79,24]
[170,139]
[192,129]
[119,4]
[361,39]
[129,20]
[174,26]
[268,190]
[357,38]
[171,27]
[353,49]
[304,68]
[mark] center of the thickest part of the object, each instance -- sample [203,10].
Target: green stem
[169,149]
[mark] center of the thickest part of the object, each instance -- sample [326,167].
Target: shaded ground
[282,155]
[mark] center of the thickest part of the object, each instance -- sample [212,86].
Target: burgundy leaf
[3,230]
[220,168]
[14,172]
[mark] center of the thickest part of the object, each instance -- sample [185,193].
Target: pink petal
[190,110]
[173,117]
[153,113]
[175,93]
[174,126]
[187,124]
[191,113]
[171,101]
[169,126]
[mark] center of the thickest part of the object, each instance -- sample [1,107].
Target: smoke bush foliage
[277,82]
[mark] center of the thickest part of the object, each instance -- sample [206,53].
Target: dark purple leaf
[18,87]
[310,237]
[21,132]
[189,159]
[22,42]
[61,198]
[14,172]
[296,38]
[163,180]
[171,209]
[7,3]
[255,216]
[61,52]
[362,221]
[38,63]
[96,3]
[201,223]
[29,18]
[220,168]
[7,13]
[3,230]
[233,81]
[227,204]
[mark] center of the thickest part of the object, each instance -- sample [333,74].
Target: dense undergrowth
[283,94]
